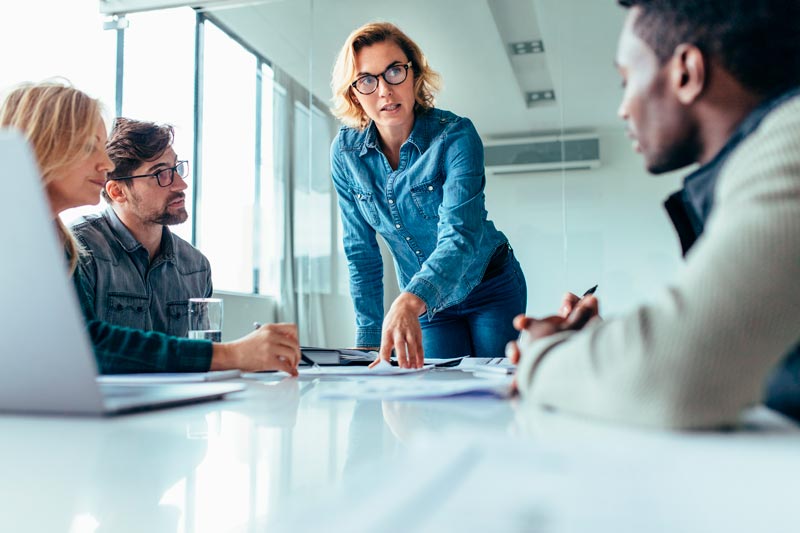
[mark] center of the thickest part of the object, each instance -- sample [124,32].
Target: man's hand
[402,332]
[574,314]
[270,347]
[569,302]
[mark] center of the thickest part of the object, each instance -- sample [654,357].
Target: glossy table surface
[280,456]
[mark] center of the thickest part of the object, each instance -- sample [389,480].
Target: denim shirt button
[398,226]
[419,252]
[358,196]
[391,201]
[408,238]
[430,187]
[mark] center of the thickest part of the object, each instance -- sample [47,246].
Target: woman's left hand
[401,332]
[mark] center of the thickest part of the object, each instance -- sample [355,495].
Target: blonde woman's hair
[345,106]
[57,120]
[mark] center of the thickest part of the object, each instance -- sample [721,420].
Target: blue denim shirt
[430,211]
[122,286]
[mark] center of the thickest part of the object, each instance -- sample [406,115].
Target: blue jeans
[481,325]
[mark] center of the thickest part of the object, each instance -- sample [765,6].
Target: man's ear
[688,73]
[116,191]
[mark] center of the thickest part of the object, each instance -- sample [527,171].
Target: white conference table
[279,457]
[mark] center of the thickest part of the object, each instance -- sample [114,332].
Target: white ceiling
[461,41]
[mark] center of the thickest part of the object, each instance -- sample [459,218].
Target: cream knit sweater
[701,350]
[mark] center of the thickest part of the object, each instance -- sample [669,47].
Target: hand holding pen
[303,357]
[271,347]
[574,314]
[572,301]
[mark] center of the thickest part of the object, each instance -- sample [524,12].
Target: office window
[158,81]
[312,200]
[52,38]
[271,220]
[227,190]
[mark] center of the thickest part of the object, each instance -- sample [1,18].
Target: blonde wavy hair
[345,105]
[57,120]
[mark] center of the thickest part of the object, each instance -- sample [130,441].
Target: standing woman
[415,174]
[65,129]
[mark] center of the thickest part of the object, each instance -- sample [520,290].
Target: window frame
[295,93]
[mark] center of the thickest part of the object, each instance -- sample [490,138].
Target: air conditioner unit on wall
[577,151]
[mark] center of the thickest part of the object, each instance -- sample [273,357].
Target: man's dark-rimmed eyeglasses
[394,75]
[164,177]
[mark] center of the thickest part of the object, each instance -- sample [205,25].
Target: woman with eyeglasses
[65,129]
[415,175]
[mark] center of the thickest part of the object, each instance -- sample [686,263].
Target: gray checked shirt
[122,285]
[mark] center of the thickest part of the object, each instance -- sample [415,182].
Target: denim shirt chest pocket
[128,309]
[428,196]
[178,318]
[366,204]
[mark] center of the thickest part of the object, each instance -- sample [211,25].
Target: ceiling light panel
[516,24]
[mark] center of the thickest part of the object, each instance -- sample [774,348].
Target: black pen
[585,294]
[303,357]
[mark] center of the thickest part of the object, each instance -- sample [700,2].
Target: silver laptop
[46,360]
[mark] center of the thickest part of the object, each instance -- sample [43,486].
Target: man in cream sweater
[715,83]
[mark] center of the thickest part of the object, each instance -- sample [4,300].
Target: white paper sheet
[381,369]
[375,389]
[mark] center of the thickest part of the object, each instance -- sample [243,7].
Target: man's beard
[167,218]
[170,219]
[677,155]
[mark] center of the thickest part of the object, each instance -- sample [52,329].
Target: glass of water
[205,319]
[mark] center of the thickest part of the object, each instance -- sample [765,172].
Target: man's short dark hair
[134,142]
[755,40]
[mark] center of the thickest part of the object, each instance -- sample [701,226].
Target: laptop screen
[47,360]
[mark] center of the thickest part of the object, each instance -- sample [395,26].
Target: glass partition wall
[536,78]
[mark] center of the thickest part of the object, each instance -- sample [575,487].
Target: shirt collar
[420,136]
[690,207]
[421,133]
[745,128]
[370,139]
[129,242]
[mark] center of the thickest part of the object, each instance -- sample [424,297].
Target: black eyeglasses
[165,176]
[394,75]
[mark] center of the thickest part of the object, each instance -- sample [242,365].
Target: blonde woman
[414,174]
[65,128]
